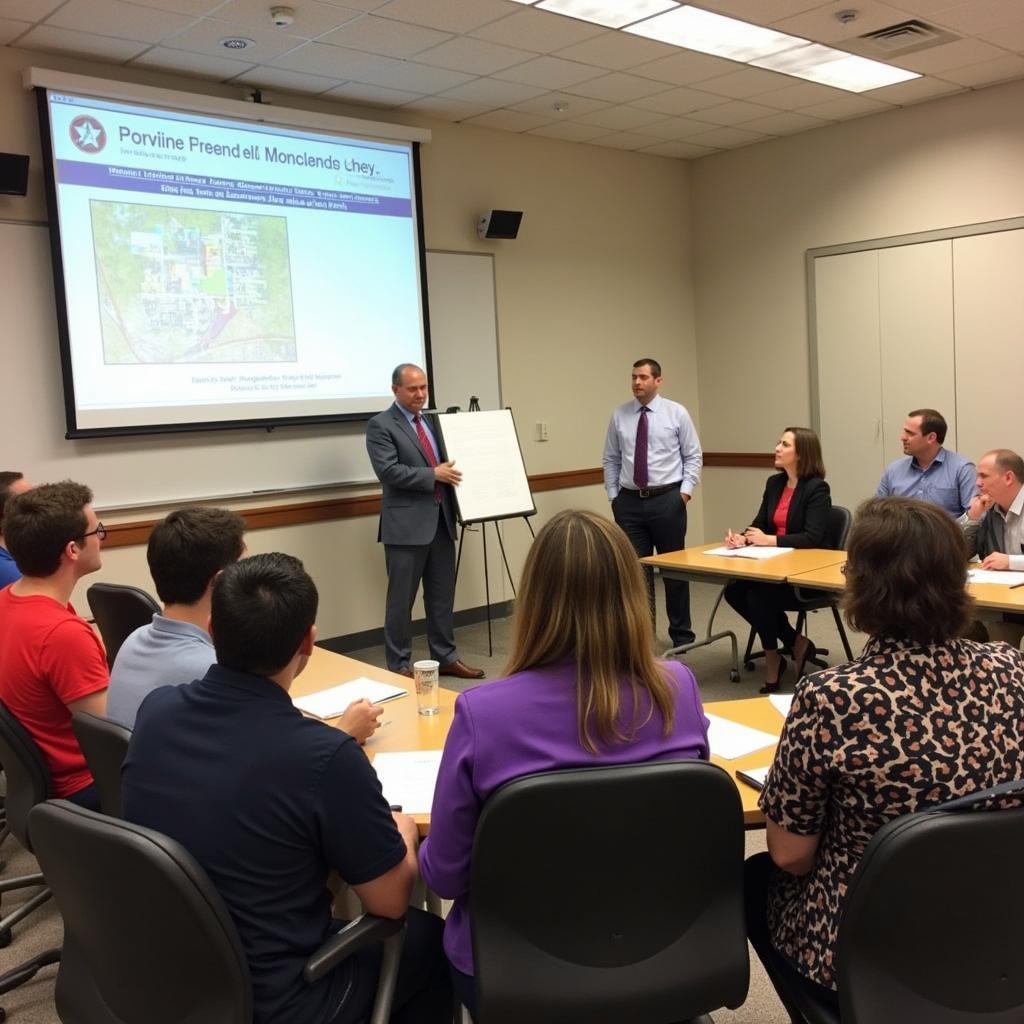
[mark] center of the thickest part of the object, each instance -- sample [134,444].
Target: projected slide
[220,271]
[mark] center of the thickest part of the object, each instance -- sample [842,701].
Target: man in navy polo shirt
[270,802]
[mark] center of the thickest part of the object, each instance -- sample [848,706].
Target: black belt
[652,492]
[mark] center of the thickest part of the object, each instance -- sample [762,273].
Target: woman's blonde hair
[583,598]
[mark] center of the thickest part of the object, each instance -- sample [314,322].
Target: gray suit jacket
[987,536]
[408,512]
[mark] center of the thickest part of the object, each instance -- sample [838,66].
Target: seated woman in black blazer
[793,514]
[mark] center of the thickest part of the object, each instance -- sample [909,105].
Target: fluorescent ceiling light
[701,30]
[610,13]
[841,70]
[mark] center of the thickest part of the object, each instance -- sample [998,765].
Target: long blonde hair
[583,598]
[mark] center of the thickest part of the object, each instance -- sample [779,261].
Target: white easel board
[485,447]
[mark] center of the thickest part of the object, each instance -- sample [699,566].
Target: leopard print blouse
[899,728]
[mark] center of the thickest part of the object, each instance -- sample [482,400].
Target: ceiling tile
[979,15]
[783,124]
[474,56]
[370,95]
[733,112]
[802,94]
[202,64]
[679,150]
[574,105]
[358,5]
[748,82]
[987,72]
[928,7]
[753,10]
[205,37]
[617,51]
[65,40]
[686,67]
[193,7]
[446,15]
[312,19]
[29,10]
[823,26]
[570,131]
[622,118]
[676,128]
[445,108]
[1010,37]
[727,138]
[913,91]
[290,81]
[123,21]
[493,93]
[845,108]
[388,38]
[621,140]
[549,73]
[618,87]
[679,101]
[951,55]
[508,120]
[537,30]
[12,29]
[354,66]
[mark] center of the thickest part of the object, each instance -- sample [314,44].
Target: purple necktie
[640,452]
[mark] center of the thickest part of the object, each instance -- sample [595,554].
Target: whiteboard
[155,470]
[485,447]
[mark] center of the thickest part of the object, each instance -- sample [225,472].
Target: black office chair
[104,743]
[28,784]
[147,938]
[610,894]
[809,600]
[119,610]
[931,927]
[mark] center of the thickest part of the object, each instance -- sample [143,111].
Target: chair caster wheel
[749,666]
[5,941]
[734,676]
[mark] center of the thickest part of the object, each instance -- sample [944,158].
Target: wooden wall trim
[122,535]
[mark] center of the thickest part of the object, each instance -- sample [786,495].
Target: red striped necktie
[428,450]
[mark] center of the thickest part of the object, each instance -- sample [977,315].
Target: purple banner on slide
[179,185]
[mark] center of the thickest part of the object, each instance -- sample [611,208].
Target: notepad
[333,702]
[1004,578]
[730,740]
[408,778]
[755,777]
[781,702]
[748,552]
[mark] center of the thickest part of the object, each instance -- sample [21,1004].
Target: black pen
[1014,586]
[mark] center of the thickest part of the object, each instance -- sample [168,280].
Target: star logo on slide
[88,134]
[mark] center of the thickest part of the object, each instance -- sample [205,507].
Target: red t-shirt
[781,513]
[49,658]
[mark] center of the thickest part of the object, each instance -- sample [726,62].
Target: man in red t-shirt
[52,664]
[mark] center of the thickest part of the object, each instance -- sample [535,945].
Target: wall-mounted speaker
[499,224]
[13,174]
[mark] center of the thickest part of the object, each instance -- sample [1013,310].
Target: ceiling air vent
[897,40]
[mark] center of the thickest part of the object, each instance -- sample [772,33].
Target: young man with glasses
[52,664]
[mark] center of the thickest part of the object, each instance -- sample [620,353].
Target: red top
[49,658]
[781,512]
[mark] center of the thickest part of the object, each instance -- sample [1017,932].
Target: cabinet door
[989,318]
[849,379]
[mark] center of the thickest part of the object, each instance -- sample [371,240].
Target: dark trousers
[659,524]
[89,798]
[789,983]
[465,989]
[764,606]
[423,992]
[408,565]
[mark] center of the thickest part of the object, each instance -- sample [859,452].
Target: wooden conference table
[406,729]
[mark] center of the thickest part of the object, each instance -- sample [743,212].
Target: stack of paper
[781,702]
[408,778]
[1005,578]
[730,740]
[333,702]
[748,552]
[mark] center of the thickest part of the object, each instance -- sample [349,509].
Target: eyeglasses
[100,531]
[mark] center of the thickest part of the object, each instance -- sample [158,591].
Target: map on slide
[192,286]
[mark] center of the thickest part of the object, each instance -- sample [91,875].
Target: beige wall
[757,210]
[599,275]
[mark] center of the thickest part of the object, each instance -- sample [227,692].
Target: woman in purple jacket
[583,688]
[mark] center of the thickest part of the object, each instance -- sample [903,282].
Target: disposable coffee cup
[425,676]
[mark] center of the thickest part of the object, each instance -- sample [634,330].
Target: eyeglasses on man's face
[100,531]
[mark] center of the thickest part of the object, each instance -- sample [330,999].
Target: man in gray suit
[417,525]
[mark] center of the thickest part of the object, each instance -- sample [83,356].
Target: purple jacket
[518,726]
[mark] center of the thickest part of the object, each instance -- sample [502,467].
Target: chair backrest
[104,743]
[607,894]
[28,775]
[119,610]
[839,522]
[146,936]
[931,928]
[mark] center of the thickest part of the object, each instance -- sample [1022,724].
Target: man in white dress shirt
[652,461]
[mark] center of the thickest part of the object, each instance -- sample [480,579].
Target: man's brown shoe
[461,670]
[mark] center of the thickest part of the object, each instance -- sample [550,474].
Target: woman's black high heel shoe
[774,687]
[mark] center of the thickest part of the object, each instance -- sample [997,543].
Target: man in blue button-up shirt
[930,473]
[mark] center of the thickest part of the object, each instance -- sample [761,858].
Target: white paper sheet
[749,552]
[1006,578]
[408,778]
[755,776]
[331,703]
[781,702]
[731,740]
